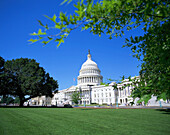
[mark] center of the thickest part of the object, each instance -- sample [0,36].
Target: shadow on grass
[164,111]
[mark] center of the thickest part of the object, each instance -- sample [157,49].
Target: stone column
[120,92]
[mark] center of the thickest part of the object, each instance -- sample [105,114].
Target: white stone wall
[41,101]
[103,94]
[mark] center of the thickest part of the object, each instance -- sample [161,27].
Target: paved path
[124,107]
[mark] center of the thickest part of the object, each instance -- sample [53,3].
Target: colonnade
[89,71]
[89,80]
[126,91]
[86,97]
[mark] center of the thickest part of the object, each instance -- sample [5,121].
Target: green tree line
[25,79]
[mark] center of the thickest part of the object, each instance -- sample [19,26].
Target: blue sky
[19,19]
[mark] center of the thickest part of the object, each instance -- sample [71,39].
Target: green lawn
[70,121]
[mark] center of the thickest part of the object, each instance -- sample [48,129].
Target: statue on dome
[89,51]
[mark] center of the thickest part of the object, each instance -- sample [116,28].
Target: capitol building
[90,88]
[89,84]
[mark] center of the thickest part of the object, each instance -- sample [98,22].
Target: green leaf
[59,40]
[40,37]
[50,38]
[39,33]
[110,37]
[64,2]
[45,42]
[40,23]
[64,18]
[33,40]
[52,19]
[57,26]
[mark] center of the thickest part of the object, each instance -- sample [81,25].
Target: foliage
[17,101]
[113,18]
[3,79]
[7,100]
[103,83]
[75,97]
[2,61]
[24,77]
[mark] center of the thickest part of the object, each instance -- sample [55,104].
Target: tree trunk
[21,101]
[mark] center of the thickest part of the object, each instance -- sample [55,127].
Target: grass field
[70,121]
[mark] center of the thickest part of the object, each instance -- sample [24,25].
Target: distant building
[41,101]
[89,85]
[89,81]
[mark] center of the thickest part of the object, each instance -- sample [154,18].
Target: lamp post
[90,92]
[160,103]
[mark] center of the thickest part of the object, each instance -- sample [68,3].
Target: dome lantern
[89,55]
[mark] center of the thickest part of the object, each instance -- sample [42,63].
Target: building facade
[41,101]
[91,91]
[90,88]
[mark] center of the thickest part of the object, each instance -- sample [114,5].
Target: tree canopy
[75,97]
[25,79]
[4,80]
[7,100]
[113,18]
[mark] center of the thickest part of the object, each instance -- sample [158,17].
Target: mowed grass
[71,121]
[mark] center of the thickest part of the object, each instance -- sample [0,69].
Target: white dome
[89,73]
[89,64]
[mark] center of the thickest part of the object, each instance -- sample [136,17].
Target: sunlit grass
[62,121]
